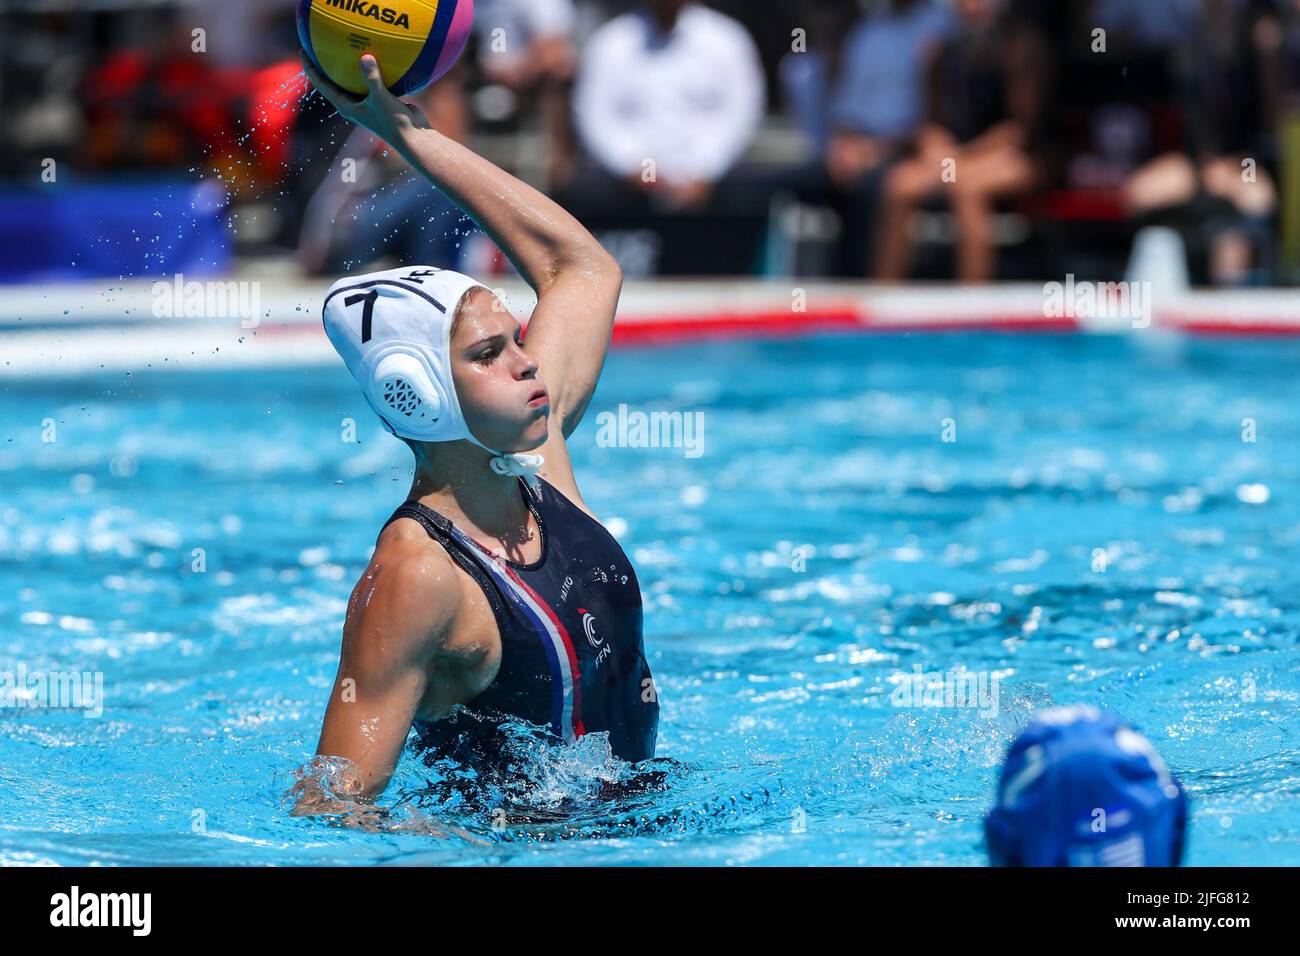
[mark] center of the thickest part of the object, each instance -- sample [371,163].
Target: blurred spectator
[878,100]
[527,47]
[985,97]
[1277,38]
[370,206]
[805,71]
[1149,25]
[667,101]
[872,109]
[523,41]
[156,103]
[1183,119]
[166,101]
[39,112]
[1215,187]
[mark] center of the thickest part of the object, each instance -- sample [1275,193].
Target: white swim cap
[393,330]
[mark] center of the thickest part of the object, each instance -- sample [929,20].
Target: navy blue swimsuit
[572,658]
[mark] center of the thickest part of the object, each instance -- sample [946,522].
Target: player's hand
[378,111]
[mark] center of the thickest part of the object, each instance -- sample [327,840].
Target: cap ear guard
[393,329]
[399,384]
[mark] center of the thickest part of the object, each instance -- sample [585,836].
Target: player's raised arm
[576,280]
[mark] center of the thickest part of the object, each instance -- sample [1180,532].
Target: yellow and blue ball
[415,41]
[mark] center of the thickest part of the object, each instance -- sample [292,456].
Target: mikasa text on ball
[415,41]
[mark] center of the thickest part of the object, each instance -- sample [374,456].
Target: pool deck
[261,320]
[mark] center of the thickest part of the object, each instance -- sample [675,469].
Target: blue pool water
[826,543]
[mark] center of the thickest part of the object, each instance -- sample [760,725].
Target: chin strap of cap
[516,463]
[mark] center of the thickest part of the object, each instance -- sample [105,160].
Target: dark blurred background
[977,140]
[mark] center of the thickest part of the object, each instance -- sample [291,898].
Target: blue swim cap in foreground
[1080,787]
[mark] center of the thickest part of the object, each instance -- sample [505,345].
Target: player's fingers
[338,96]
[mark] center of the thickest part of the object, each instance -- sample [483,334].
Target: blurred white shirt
[691,101]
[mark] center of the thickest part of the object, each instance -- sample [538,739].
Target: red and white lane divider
[74,329]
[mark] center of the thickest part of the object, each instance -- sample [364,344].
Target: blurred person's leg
[1223,216]
[1164,192]
[905,186]
[1254,194]
[856,166]
[859,207]
[1231,256]
[1167,180]
[993,173]
[1240,246]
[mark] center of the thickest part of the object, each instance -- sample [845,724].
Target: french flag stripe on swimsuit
[567,705]
[572,703]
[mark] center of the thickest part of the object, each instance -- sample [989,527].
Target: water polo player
[494,594]
[1080,787]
